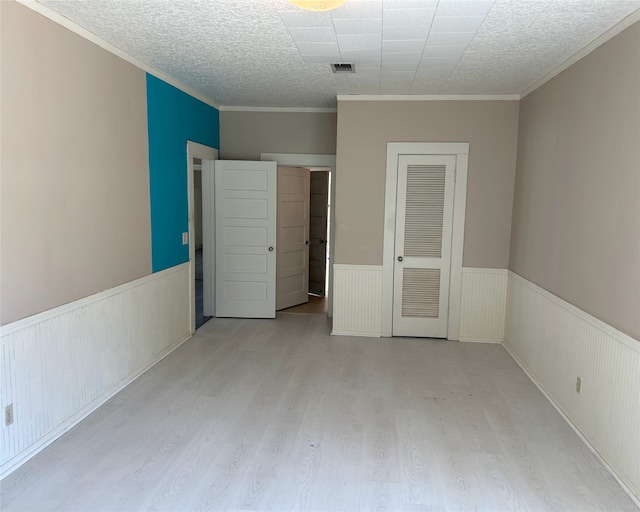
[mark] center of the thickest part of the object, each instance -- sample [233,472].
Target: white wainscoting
[482,305]
[555,343]
[357,300]
[59,366]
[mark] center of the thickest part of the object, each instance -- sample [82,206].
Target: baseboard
[61,365]
[584,439]
[554,342]
[91,407]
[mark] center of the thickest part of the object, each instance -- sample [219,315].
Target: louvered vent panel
[421,292]
[424,210]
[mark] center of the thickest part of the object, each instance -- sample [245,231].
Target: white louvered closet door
[424,222]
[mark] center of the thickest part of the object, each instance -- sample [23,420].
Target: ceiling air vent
[343,67]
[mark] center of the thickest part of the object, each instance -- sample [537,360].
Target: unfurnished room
[344,255]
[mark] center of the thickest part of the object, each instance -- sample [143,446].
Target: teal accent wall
[174,117]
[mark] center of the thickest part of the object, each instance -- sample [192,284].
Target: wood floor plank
[272,415]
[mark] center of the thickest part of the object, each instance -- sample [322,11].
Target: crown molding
[280,109]
[90,36]
[435,97]
[597,42]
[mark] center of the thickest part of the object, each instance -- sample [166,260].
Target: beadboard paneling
[483,303]
[555,343]
[357,300]
[60,365]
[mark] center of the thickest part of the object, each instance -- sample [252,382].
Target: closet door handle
[399,258]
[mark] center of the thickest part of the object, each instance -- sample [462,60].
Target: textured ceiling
[269,53]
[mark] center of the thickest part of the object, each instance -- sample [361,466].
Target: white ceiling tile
[400,33]
[410,58]
[464,7]
[313,35]
[356,10]
[397,75]
[403,46]
[392,86]
[398,67]
[410,4]
[456,23]
[361,56]
[319,49]
[362,26]
[450,38]
[350,42]
[407,17]
[443,51]
[439,62]
[434,71]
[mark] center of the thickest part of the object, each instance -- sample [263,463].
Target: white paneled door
[292,259]
[245,206]
[424,223]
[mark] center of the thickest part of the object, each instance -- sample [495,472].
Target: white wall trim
[596,323]
[555,342]
[394,149]
[307,110]
[315,160]
[90,36]
[483,304]
[428,97]
[59,366]
[599,41]
[357,298]
[32,320]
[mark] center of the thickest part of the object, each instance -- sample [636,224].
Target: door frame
[207,154]
[394,149]
[314,160]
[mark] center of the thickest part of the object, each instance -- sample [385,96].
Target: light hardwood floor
[278,415]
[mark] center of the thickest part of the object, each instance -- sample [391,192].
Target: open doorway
[200,160]
[318,243]
[316,163]
[201,318]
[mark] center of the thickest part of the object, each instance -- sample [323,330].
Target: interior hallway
[278,415]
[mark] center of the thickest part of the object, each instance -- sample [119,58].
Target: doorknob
[271,248]
[307,242]
[322,241]
[399,258]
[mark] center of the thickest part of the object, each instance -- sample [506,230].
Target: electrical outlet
[578,385]
[8,415]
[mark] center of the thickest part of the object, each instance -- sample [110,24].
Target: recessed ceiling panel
[456,23]
[407,17]
[351,42]
[361,26]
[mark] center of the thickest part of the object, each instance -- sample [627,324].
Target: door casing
[394,149]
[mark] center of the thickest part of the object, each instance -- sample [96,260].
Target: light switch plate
[185,238]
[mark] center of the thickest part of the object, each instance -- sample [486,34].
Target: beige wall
[75,175]
[576,227]
[365,127]
[244,135]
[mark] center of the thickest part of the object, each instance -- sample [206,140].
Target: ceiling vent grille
[343,67]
